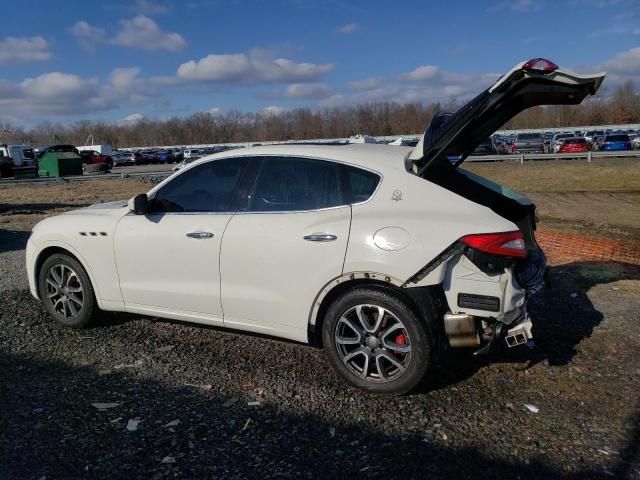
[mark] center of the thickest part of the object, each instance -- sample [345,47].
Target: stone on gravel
[105,406]
[132,424]
[531,408]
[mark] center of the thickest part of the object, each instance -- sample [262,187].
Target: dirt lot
[190,391]
[600,198]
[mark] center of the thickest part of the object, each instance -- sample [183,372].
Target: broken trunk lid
[528,84]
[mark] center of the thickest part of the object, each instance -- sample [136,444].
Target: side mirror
[139,204]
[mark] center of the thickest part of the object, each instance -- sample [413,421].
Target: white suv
[382,255]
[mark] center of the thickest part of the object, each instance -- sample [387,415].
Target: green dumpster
[60,164]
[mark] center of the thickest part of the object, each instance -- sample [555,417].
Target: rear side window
[293,184]
[206,188]
[359,184]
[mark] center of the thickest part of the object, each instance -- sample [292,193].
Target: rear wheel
[376,342]
[66,291]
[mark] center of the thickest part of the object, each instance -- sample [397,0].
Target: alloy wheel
[373,343]
[64,290]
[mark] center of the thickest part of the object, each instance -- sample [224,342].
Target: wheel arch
[52,249]
[423,300]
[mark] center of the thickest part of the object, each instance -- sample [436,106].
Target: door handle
[320,237]
[200,235]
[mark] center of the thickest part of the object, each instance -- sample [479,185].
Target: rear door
[287,244]
[537,82]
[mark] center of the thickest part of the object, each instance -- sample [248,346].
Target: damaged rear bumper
[486,309]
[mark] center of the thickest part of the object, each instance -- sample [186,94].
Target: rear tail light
[508,244]
[541,65]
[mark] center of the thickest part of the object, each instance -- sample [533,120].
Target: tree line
[382,118]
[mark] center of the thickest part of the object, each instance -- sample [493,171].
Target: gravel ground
[180,397]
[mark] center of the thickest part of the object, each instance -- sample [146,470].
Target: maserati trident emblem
[397,195]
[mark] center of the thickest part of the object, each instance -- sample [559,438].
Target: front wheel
[66,291]
[376,342]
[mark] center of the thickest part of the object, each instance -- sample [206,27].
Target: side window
[206,188]
[289,183]
[359,184]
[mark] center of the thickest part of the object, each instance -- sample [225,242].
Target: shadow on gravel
[11,240]
[49,427]
[562,314]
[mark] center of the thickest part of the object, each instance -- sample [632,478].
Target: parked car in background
[93,157]
[121,158]
[178,154]
[20,155]
[192,152]
[486,147]
[528,143]
[383,256]
[137,158]
[164,156]
[558,139]
[574,145]
[6,166]
[591,135]
[615,142]
[185,162]
[149,156]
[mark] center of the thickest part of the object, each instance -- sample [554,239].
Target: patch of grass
[74,193]
[602,175]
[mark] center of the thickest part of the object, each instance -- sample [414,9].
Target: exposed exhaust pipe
[461,330]
[519,335]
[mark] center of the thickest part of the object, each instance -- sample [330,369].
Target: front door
[168,260]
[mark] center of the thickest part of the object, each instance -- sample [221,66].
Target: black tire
[414,334]
[87,311]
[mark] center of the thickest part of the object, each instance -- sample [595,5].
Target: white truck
[101,149]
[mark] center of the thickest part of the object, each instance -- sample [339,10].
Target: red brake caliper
[400,340]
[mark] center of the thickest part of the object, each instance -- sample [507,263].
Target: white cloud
[423,72]
[88,36]
[134,117]
[366,84]
[60,94]
[273,110]
[58,85]
[258,66]
[144,33]
[215,111]
[624,66]
[349,28]
[24,49]
[309,91]
[332,101]
[425,83]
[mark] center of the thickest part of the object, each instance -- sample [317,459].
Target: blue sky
[117,60]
